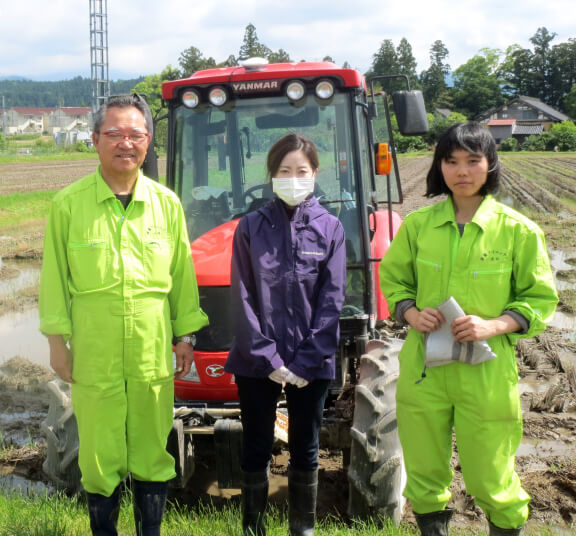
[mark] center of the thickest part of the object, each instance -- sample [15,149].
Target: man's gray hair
[124,101]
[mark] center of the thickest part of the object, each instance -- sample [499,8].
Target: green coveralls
[500,263]
[118,284]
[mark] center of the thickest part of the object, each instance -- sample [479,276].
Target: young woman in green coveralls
[494,262]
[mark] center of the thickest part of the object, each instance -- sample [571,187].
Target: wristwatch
[190,339]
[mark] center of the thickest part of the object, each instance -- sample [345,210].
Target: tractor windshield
[219,166]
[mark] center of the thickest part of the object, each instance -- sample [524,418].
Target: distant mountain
[78,91]
[12,77]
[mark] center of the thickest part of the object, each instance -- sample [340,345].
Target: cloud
[41,40]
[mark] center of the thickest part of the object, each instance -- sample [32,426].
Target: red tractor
[221,123]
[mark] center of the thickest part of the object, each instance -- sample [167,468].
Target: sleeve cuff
[521,319]
[401,308]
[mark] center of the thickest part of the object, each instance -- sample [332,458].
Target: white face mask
[293,190]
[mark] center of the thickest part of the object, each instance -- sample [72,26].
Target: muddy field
[546,461]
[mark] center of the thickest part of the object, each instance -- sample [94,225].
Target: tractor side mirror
[410,112]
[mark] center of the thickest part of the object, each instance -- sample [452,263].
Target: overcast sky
[50,40]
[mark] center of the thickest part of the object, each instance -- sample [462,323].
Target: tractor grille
[219,334]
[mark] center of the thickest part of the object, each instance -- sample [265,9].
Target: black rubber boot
[302,493]
[497,531]
[254,500]
[149,504]
[104,512]
[434,523]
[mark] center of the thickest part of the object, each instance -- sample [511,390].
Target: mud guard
[376,472]
[61,433]
[181,447]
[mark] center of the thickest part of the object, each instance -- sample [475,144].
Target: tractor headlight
[324,89]
[295,90]
[218,96]
[191,98]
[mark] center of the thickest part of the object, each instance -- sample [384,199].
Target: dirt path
[547,458]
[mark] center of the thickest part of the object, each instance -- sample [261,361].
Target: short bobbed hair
[287,144]
[471,137]
[124,101]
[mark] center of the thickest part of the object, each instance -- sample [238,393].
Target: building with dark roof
[521,117]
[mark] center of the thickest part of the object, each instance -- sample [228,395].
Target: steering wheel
[249,195]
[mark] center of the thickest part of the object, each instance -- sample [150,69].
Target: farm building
[69,119]
[519,118]
[25,120]
[51,120]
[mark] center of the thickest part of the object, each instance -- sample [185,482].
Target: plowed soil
[546,461]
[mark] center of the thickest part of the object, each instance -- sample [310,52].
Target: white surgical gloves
[283,376]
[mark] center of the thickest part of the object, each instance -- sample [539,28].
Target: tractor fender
[380,221]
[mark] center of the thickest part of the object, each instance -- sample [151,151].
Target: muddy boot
[302,492]
[434,523]
[149,503]
[497,531]
[254,500]
[104,512]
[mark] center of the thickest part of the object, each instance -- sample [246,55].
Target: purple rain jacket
[288,283]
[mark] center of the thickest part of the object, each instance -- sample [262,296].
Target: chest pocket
[429,287]
[90,264]
[157,259]
[311,253]
[490,287]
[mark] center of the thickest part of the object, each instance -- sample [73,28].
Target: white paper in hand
[442,348]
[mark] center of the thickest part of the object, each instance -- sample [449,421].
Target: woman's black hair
[471,137]
[287,144]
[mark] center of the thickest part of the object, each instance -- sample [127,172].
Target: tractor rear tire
[376,472]
[61,433]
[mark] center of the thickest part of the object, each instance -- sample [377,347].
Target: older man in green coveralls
[117,284]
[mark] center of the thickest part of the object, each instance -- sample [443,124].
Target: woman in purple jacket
[288,282]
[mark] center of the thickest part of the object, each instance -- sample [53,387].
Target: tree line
[75,92]
[489,79]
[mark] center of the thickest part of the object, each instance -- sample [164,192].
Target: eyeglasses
[116,137]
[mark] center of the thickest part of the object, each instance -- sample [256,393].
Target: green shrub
[536,142]
[45,144]
[79,147]
[408,144]
[564,136]
[509,144]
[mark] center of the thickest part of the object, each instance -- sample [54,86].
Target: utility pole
[3,118]
[99,52]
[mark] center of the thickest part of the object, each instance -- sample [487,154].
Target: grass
[45,157]
[22,220]
[55,514]
[45,514]
[17,208]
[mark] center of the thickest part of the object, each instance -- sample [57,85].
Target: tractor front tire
[61,433]
[376,472]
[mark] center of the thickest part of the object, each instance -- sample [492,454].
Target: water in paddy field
[558,260]
[19,330]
